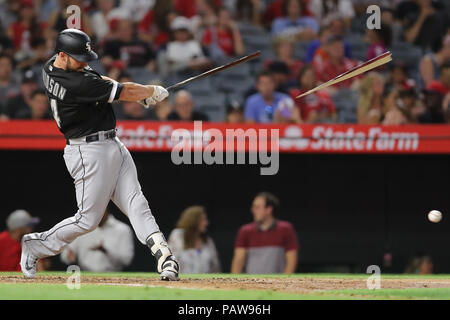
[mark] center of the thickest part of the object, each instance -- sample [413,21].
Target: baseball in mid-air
[434,216]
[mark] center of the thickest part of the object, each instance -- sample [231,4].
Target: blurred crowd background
[302,43]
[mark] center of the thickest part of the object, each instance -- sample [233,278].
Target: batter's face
[72,64]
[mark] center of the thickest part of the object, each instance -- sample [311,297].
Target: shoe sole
[169,276]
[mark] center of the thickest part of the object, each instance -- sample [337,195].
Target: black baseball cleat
[170,269]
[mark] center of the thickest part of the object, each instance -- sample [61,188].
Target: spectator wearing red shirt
[19,223]
[443,84]
[275,10]
[336,64]
[317,106]
[190,8]
[26,28]
[225,36]
[267,245]
[155,26]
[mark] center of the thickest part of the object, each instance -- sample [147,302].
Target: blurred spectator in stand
[9,87]
[127,49]
[335,64]
[6,45]
[46,7]
[431,62]
[370,103]
[443,84]
[397,78]
[388,18]
[402,108]
[316,107]
[192,8]
[154,27]
[130,110]
[224,39]
[267,245]
[135,9]
[286,112]
[58,19]
[206,15]
[110,247]
[294,22]
[38,55]
[235,112]
[190,243]
[280,75]
[19,223]
[20,104]
[420,264]
[379,40]
[183,53]
[184,109]
[250,11]
[433,99]
[284,51]
[317,47]
[327,10]
[275,9]
[101,19]
[424,21]
[25,30]
[38,109]
[260,107]
[446,108]
[315,50]
[9,10]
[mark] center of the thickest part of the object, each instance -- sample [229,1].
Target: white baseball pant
[101,170]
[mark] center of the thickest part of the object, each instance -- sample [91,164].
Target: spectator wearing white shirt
[194,249]
[327,10]
[184,53]
[110,247]
[101,18]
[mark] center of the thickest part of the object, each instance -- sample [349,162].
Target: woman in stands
[189,242]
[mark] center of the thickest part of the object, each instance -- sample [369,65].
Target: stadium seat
[212,104]
[407,53]
[142,75]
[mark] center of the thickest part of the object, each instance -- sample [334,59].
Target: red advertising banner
[165,136]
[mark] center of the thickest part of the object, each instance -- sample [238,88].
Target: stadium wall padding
[348,210]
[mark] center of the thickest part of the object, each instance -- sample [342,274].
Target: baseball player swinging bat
[99,163]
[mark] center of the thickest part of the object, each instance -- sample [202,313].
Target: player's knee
[89,225]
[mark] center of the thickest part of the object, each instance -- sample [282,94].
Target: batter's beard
[69,68]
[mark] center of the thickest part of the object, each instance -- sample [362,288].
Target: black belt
[111,134]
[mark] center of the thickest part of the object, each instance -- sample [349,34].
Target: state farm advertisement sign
[165,136]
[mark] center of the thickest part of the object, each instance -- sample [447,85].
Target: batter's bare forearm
[135,92]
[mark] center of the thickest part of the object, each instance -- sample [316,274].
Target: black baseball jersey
[80,100]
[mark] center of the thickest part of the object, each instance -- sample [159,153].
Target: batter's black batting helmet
[76,44]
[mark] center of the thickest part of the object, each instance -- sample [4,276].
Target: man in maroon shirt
[19,223]
[267,245]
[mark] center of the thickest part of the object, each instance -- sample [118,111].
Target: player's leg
[131,201]
[95,170]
